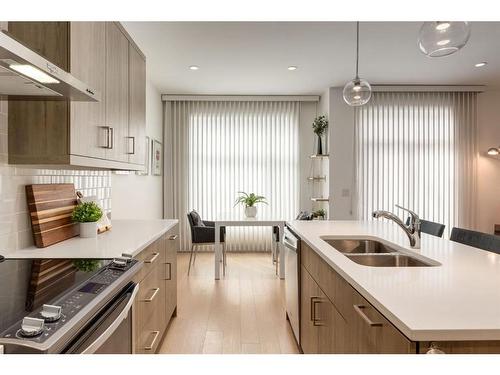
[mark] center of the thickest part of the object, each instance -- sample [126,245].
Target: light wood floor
[244,312]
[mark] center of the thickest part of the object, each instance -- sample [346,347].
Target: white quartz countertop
[457,300]
[125,237]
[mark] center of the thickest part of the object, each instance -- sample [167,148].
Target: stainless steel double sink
[375,254]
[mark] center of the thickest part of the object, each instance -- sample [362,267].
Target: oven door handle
[113,326]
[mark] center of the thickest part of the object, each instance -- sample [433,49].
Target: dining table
[229,221]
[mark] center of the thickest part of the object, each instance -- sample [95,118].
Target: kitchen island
[455,298]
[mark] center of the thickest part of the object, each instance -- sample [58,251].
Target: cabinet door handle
[153,258]
[152,344]
[133,146]
[371,323]
[173,237]
[316,321]
[112,136]
[108,132]
[169,271]
[150,299]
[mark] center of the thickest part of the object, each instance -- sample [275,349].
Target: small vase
[88,230]
[319,146]
[251,211]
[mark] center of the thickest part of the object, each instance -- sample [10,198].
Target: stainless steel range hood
[25,74]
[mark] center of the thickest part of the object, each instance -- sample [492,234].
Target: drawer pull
[152,344]
[359,310]
[150,299]
[153,258]
[169,271]
[173,237]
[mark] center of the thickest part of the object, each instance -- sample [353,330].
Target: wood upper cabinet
[137,107]
[117,56]
[88,63]
[94,134]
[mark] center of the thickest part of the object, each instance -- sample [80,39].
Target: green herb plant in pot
[250,201]
[320,125]
[87,214]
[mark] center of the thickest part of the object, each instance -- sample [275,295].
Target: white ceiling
[252,57]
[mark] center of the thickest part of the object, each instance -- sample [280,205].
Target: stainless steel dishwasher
[292,267]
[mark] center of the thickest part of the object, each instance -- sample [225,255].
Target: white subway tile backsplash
[15,226]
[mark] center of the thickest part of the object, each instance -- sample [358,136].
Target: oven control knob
[119,262]
[31,327]
[51,313]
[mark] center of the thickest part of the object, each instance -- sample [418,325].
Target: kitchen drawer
[149,337]
[151,256]
[333,285]
[374,333]
[150,298]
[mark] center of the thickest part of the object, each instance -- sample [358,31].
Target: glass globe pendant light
[358,91]
[443,38]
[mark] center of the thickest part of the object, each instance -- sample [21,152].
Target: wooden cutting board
[50,207]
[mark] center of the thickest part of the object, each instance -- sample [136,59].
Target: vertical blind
[418,150]
[223,147]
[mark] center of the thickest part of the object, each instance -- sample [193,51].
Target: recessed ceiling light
[194,67]
[292,67]
[443,42]
[483,63]
[442,26]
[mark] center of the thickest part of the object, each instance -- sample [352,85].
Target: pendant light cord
[357,48]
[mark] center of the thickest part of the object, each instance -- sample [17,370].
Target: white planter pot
[88,230]
[251,211]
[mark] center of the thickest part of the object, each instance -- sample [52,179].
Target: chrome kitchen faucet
[412,230]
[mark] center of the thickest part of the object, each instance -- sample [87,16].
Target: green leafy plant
[87,212]
[86,265]
[249,200]
[319,125]
[319,213]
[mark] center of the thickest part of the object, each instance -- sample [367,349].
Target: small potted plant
[87,214]
[319,214]
[320,124]
[249,201]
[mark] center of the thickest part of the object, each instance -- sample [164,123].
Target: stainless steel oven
[92,314]
[292,266]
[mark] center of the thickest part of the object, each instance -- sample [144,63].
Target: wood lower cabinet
[156,301]
[335,318]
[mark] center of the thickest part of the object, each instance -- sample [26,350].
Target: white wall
[341,174]
[488,192]
[135,196]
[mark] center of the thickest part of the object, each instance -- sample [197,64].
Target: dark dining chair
[483,241]
[430,227]
[304,215]
[203,233]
